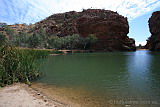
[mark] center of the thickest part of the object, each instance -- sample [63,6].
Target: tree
[74,40]
[92,38]
[11,35]
[43,33]
[140,45]
[3,24]
[55,42]
[22,39]
[44,37]
[34,40]
[84,42]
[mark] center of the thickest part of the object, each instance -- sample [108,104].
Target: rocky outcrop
[110,28]
[153,43]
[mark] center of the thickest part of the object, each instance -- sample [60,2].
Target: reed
[19,65]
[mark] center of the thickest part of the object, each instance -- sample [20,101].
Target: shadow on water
[115,76]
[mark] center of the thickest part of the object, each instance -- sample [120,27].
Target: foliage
[11,35]
[22,39]
[43,37]
[84,42]
[88,41]
[55,42]
[34,41]
[3,24]
[19,65]
[2,39]
[40,39]
[92,38]
[74,41]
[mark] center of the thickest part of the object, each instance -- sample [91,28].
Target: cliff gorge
[110,28]
[153,43]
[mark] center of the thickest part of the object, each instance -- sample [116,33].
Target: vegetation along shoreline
[92,30]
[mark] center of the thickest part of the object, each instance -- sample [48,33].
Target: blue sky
[31,11]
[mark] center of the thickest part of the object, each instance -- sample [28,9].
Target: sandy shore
[42,95]
[21,95]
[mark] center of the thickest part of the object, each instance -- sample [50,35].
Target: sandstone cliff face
[110,28]
[153,42]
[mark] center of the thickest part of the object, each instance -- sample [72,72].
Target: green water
[114,76]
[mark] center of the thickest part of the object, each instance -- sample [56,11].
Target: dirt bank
[21,95]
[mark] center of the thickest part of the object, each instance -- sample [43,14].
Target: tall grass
[19,65]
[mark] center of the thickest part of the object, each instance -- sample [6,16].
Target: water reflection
[140,66]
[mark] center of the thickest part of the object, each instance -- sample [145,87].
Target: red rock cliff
[154,26]
[110,28]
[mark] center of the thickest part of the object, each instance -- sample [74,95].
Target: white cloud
[35,10]
[142,43]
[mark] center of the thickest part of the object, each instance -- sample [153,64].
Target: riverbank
[143,49]
[41,95]
[21,95]
[71,96]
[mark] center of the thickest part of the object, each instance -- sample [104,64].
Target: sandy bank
[21,95]
[42,95]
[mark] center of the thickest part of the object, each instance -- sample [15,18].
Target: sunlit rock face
[110,28]
[154,26]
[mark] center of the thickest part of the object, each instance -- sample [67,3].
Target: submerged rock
[110,28]
[153,43]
